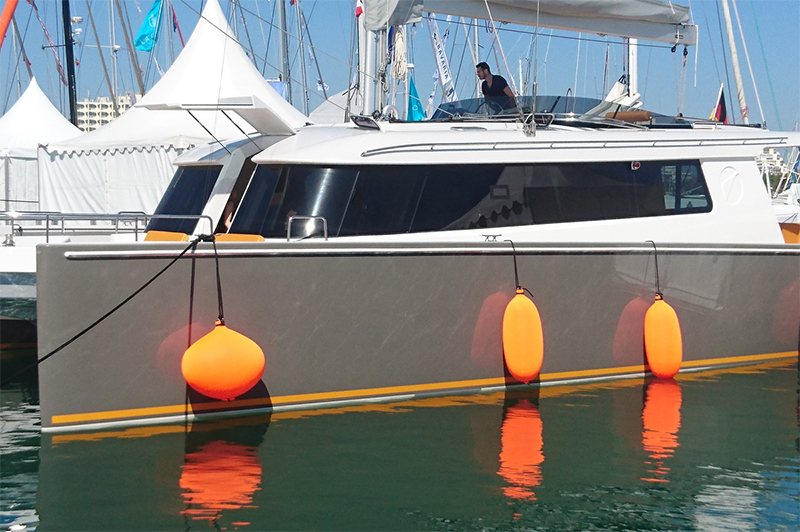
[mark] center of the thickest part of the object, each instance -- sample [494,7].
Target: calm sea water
[718,450]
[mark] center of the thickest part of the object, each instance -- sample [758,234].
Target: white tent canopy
[127,164]
[33,120]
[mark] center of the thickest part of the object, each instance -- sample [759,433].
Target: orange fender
[662,339]
[223,364]
[523,340]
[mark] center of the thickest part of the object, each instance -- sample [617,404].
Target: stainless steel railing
[50,223]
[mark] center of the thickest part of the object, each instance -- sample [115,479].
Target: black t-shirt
[499,84]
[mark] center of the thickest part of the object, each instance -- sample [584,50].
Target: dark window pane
[252,212]
[451,193]
[384,201]
[299,191]
[186,194]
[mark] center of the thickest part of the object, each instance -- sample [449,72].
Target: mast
[735,60]
[303,76]
[131,53]
[67,19]
[284,49]
[633,66]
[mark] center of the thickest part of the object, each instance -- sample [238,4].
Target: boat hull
[349,323]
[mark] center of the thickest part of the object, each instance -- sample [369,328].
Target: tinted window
[384,201]
[398,199]
[252,213]
[186,194]
[450,193]
[296,191]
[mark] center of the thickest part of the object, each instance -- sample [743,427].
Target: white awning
[651,20]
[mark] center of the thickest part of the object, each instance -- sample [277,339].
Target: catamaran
[376,260]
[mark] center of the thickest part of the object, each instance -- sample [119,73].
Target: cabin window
[379,200]
[187,194]
[275,195]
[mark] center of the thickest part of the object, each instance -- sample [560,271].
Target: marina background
[770,28]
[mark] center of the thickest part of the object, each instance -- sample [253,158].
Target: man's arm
[507,91]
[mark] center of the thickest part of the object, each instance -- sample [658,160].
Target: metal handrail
[55,218]
[296,217]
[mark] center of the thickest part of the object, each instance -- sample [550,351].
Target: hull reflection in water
[556,458]
[661,417]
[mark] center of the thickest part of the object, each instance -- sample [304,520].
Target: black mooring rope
[658,284]
[110,312]
[219,283]
[516,272]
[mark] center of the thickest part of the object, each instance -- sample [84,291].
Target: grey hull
[342,323]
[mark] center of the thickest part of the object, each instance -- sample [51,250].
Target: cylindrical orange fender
[663,344]
[523,339]
[5,19]
[223,364]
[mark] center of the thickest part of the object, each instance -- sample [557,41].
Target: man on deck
[494,87]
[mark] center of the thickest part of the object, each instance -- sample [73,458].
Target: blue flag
[415,112]
[148,33]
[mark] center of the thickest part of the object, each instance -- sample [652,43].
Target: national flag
[148,33]
[175,26]
[359,8]
[720,113]
[321,85]
[415,112]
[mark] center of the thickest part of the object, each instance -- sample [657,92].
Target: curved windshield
[544,104]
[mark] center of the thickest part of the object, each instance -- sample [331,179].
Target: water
[718,450]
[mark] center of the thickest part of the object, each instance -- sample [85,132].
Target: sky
[587,64]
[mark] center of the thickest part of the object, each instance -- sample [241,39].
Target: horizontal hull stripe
[258,250]
[391,390]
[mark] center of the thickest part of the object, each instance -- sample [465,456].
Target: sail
[651,20]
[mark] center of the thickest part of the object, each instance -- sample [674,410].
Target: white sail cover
[33,120]
[380,14]
[126,164]
[651,20]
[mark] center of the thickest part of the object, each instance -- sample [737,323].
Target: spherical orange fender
[223,364]
[662,339]
[523,340]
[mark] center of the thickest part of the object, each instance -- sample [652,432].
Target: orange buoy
[662,339]
[223,364]
[523,340]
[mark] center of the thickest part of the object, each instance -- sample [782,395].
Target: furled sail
[652,20]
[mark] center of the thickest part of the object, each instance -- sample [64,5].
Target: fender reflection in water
[521,455]
[219,476]
[661,417]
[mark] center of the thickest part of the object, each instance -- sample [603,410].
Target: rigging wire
[724,54]
[16,63]
[766,67]
[749,66]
